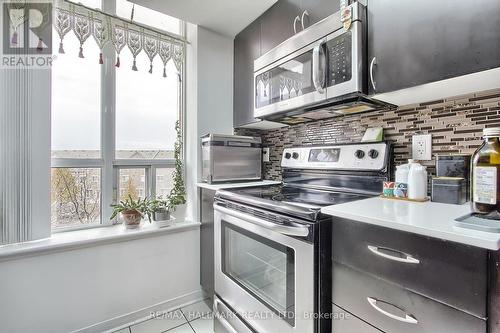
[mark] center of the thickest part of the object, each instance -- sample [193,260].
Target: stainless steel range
[273,245]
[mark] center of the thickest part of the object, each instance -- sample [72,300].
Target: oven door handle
[299,231]
[221,318]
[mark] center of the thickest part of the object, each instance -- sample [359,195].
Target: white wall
[209,105]
[67,291]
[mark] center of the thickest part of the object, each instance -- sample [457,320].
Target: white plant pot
[165,223]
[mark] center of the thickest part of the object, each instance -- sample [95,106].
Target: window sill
[71,240]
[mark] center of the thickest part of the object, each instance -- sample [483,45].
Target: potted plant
[161,209]
[132,211]
[177,195]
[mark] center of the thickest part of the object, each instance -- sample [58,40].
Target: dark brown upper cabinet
[318,10]
[246,49]
[272,28]
[417,42]
[277,23]
[287,17]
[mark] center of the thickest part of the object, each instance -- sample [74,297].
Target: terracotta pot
[132,219]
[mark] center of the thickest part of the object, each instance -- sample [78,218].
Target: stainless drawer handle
[405,258]
[221,318]
[408,318]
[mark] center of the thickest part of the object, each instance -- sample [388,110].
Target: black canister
[452,190]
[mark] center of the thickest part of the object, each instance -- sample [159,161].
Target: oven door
[263,273]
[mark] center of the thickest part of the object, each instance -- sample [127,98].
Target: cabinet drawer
[451,273]
[393,309]
[350,323]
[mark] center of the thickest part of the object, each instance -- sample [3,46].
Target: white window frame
[108,163]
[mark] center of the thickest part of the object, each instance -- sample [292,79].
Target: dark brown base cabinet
[206,203]
[398,282]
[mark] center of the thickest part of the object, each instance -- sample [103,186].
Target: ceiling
[227,17]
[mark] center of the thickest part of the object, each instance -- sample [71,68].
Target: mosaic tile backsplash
[456,126]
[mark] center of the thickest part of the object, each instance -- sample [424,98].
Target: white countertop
[220,186]
[429,219]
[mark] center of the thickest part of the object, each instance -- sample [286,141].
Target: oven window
[263,268]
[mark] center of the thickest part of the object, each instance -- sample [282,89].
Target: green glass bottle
[485,178]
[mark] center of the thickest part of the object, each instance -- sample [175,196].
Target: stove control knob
[295,155]
[373,153]
[288,155]
[359,154]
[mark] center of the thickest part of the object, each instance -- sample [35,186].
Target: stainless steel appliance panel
[231,158]
[257,275]
[288,84]
[318,73]
[226,321]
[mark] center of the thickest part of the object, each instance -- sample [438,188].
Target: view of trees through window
[76,196]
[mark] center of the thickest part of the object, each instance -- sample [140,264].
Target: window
[76,102]
[98,159]
[164,181]
[76,196]
[135,185]
[146,107]
[148,17]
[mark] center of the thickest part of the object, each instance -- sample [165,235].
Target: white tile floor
[194,318]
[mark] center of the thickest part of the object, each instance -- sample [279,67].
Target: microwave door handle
[318,64]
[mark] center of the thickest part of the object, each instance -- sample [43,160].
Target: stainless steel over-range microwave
[318,73]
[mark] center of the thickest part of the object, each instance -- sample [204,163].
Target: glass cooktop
[294,201]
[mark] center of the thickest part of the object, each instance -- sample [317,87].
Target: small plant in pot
[132,211]
[161,209]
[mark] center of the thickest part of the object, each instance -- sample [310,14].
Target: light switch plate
[422,147]
[265,154]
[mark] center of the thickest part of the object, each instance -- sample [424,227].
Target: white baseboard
[143,314]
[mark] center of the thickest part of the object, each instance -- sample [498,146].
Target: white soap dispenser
[417,181]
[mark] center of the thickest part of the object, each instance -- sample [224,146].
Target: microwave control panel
[339,52]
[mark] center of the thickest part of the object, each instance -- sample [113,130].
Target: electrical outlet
[422,147]
[265,154]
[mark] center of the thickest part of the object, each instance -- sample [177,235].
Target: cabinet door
[277,23]
[246,50]
[207,240]
[417,42]
[318,10]
[344,322]
[448,272]
[393,309]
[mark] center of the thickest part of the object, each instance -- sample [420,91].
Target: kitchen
[333,169]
